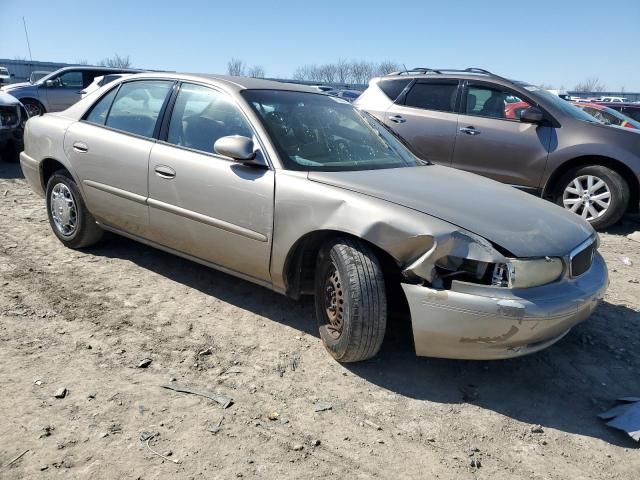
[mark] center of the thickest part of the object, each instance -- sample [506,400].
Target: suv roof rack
[440,71]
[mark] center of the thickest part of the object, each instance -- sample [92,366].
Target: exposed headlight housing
[527,273]
[9,116]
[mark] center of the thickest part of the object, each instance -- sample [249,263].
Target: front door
[426,119]
[64,90]
[493,142]
[109,150]
[201,203]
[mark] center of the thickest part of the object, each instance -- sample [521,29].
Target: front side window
[324,133]
[440,96]
[201,116]
[137,106]
[71,79]
[494,103]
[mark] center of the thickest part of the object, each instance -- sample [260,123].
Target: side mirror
[235,146]
[531,115]
[51,83]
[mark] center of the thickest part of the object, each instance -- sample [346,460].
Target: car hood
[524,225]
[6,99]
[15,86]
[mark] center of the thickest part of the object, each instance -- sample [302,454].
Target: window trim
[402,98]
[163,132]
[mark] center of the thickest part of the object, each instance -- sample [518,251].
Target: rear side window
[433,96]
[137,106]
[98,113]
[393,88]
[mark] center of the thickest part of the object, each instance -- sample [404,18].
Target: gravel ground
[83,321]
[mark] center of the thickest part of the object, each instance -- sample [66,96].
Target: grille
[581,260]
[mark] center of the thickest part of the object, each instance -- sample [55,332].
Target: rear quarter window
[394,87]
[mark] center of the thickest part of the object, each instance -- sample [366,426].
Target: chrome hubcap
[587,196]
[63,210]
[333,302]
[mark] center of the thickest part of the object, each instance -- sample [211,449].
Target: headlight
[527,273]
[9,116]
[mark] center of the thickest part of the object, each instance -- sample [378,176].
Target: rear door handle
[470,130]
[81,147]
[165,172]
[397,119]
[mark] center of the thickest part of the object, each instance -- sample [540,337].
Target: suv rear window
[439,96]
[393,88]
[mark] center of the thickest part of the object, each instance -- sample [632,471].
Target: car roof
[444,74]
[230,82]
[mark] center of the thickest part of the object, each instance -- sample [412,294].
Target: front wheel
[596,193]
[70,220]
[350,299]
[33,107]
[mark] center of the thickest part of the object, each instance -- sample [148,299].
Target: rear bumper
[484,323]
[31,171]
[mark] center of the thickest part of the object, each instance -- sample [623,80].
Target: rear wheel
[350,299]
[69,218]
[596,193]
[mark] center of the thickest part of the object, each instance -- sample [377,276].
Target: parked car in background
[629,109]
[322,88]
[608,116]
[348,95]
[37,75]
[5,76]
[101,81]
[58,90]
[612,99]
[553,149]
[304,194]
[12,119]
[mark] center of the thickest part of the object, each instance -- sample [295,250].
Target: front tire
[350,299]
[33,107]
[596,193]
[68,216]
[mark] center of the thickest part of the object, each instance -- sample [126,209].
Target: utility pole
[27,35]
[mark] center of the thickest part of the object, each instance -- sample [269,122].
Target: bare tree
[327,73]
[591,84]
[116,61]
[387,66]
[256,72]
[342,70]
[236,67]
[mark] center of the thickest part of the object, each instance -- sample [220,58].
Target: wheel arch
[583,161]
[299,266]
[48,167]
[34,99]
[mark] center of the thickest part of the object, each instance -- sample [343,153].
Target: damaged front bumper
[482,322]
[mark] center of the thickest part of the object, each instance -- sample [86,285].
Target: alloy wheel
[588,196]
[333,302]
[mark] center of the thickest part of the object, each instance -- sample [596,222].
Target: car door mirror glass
[531,115]
[53,83]
[236,147]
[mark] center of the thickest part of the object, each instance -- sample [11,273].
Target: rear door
[425,117]
[491,141]
[204,204]
[109,150]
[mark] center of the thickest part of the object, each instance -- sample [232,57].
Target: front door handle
[470,130]
[81,147]
[397,119]
[165,172]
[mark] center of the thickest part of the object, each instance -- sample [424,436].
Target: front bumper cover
[483,322]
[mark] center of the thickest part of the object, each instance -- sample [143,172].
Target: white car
[99,82]
[612,99]
[5,77]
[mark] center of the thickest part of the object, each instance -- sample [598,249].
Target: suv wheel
[596,193]
[33,107]
[70,220]
[351,304]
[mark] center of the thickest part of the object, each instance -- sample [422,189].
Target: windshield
[4,71]
[319,132]
[566,107]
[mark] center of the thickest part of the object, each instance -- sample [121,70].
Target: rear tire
[609,197]
[350,299]
[68,216]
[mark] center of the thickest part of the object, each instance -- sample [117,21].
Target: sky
[557,43]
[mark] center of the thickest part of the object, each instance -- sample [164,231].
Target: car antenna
[405,69]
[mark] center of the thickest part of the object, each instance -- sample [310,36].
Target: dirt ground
[85,320]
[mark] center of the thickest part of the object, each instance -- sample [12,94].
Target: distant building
[21,69]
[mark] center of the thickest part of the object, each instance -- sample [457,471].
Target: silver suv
[515,133]
[58,90]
